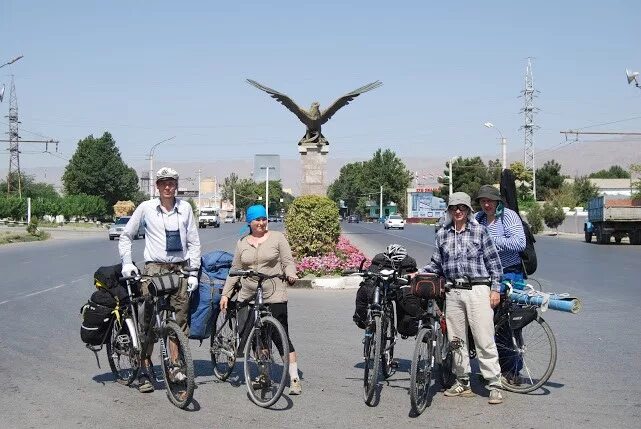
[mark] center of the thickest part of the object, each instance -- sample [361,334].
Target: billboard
[423,204]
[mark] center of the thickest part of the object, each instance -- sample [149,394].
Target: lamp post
[503,145]
[152,189]
[451,178]
[267,188]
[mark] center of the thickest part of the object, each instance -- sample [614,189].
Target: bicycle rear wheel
[178,374]
[387,345]
[121,354]
[266,362]
[223,345]
[527,355]
[422,369]
[372,356]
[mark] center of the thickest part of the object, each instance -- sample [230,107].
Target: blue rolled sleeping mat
[560,302]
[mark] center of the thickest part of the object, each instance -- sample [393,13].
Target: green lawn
[20,237]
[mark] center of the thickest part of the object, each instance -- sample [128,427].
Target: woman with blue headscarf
[267,252]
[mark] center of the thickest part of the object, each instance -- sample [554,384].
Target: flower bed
[345,257]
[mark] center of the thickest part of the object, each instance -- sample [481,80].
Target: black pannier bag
[365,293]
[409,308]
[108,278]
[96,320]
[521,316]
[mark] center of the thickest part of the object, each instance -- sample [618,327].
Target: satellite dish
[1,93]
[632,76]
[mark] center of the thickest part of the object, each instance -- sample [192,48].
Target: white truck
[208,217]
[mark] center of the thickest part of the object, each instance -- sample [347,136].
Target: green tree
[96,168]
[535,218]
[469,175]
[388,170]
[524,177]
[548,178]
[227,188]
[30,188]
[614,172]
[348,186]
[563,196]
[553,215]
[584,190]
[247,193]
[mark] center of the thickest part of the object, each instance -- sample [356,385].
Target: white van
[208,217]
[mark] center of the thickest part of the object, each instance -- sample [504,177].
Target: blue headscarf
[254,212]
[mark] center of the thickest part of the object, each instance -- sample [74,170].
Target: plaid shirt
[470,252]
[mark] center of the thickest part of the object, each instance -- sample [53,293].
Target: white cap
[166,173]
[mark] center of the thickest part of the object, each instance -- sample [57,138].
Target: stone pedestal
[314,161]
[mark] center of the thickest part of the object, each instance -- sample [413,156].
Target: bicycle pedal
[394,364]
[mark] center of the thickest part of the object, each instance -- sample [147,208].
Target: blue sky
[146,72]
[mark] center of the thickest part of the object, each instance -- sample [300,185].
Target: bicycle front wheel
[372,357]
[178,370]
[223,345]
[387,345]
[266,362]
[527,355]
[123,358]
[421,371]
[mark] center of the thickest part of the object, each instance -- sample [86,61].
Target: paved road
[51,380]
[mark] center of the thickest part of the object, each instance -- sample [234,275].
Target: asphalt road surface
[50,380]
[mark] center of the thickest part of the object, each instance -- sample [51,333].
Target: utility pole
[199,206]
[152,188]
[14,139]
[234,202]
[529,93]
[381,204]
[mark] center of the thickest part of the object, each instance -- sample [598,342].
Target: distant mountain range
[576,159]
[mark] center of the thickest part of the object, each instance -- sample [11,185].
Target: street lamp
[503,144]
[6,64]
[451,178]
[152,189]
[267,187]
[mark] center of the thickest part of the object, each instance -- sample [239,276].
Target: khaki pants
[179,300]
[471,308]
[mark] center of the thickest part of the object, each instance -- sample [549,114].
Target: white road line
[45,290]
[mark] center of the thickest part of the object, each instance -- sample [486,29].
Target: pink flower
[345,256]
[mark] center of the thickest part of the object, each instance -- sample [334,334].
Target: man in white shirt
[171,242]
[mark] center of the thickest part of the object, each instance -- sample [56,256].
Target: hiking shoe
[144,384]
[460,389]
[295,388]
[495,397]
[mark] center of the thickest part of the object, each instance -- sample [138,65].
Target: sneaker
[144,384]
[460,389]
[495,397]
[295,388]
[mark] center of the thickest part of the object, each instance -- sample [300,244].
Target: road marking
[45,290]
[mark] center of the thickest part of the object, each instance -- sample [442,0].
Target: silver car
[118,227]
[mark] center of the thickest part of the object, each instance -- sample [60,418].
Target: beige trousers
[471,308]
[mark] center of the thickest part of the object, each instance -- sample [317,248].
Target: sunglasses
[461,207]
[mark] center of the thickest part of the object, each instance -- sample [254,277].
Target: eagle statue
[314,118]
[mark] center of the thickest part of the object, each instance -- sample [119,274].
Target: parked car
[353,219]
[119,226]
[273,218]
[440,223]
[229,219]
[394,221]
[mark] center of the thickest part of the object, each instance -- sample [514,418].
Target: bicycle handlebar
[255,274]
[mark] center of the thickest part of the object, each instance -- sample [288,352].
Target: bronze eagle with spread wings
[314,118]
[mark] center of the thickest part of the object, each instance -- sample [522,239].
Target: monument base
[314,161]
